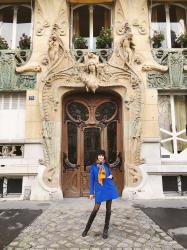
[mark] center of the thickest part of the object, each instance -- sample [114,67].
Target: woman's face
[100,158]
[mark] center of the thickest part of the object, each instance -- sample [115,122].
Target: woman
[102,185]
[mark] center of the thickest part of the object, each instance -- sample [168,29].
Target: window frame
[91,24]
[173,134]
[168,23]
[14,23]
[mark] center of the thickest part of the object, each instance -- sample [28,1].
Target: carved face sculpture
[126,43]
[91,67]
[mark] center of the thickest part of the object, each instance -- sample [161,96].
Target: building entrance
[90,122]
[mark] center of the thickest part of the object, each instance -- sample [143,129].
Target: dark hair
[101,152]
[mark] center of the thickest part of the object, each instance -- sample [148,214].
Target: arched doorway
[89,122]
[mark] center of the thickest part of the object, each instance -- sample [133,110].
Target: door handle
[117,162]
[67,164]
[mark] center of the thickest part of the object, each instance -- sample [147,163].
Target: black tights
[108,206]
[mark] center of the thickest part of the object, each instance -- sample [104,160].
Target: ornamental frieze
[173,76]
[9,78]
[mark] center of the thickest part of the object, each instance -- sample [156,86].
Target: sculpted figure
[56,48]
[127,49]
[89,76]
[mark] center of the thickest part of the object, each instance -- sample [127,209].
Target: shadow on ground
[172,220]
[13,221]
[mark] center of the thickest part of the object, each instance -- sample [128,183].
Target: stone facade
[134,73]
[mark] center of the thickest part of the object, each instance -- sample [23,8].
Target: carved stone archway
[118,74]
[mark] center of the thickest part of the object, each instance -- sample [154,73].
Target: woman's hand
[110,177]
[91,197]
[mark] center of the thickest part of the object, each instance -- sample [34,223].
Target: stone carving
[173,65]
[29,68]
[141,28]
[176,69]
[159,68]
[12,151]
[7,66]
[26,81]
[123,28]
[42,22]
[126,48]
[119,24]
[27,193]
[43,10]
[103,54]
[55,47]
[91,74]
[9,80]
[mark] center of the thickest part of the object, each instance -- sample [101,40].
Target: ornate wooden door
[90,122]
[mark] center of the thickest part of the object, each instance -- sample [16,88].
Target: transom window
[173,126]
[170,20]
[87,22]
[14,22]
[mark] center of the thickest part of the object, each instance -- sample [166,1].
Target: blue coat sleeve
[92,180]
[110,171]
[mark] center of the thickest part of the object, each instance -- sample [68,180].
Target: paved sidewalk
[61,225]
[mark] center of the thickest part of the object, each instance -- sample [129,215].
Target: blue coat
[104,192]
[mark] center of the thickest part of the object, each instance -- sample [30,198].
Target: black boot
[106,227]
[89,223]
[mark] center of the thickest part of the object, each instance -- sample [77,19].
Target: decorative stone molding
[9,79]
[103,54]
[29,68]
[60,22]
[11,151]
[172,76]
[141,27]
[119,71]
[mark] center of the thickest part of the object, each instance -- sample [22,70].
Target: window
[169,19]
[88,20]
[173,126]
[174,185]
[12,116]
[10,186]
[14,21]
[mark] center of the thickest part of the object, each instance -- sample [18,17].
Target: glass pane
[158,22]
[23,27]
[101,18]
[92,143]
[6,24]
[164,109]
[168,146]
[181,119]
[78,111]
[169,183]
[81,21]
[72,143]
[106,111]
[112,141]
[177,23]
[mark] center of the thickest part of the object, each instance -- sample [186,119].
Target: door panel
[90,122]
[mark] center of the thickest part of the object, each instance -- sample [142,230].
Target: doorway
[90,122]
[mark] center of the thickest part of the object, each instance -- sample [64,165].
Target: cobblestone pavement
[61,225]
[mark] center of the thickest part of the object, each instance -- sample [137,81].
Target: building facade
[78,75]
